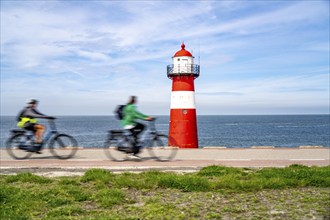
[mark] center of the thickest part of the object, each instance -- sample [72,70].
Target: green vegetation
[215,192]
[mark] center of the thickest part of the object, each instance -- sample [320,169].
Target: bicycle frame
[119,145]
[49,133]
[147,137]
[149,134]
[21,144]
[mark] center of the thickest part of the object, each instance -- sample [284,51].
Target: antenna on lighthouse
[199,51]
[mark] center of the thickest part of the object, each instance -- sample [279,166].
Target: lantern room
[182,64]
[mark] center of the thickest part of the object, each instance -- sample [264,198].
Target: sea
[231,131]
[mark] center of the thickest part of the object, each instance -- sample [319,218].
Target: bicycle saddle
[17,131]
[116,131]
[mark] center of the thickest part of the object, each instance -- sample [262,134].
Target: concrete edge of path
[80,171]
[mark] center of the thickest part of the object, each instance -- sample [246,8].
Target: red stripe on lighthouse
[183,83]
[183,128]
[183,123]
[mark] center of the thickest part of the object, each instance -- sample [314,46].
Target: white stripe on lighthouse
[183,100]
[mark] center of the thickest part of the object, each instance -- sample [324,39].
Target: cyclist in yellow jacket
[27,120]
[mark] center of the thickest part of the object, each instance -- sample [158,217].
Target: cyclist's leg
[136,131]
[39,131]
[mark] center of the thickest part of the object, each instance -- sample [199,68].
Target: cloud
[220,93]
[305,90]
[104,51]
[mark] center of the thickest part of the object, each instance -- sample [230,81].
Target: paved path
[187,160]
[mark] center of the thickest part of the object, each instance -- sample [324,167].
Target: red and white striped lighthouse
[183,123]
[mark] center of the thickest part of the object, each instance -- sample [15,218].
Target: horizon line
[262,114]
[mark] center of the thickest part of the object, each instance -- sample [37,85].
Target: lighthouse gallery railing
[192,69]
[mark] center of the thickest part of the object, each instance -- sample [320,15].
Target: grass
[215,192]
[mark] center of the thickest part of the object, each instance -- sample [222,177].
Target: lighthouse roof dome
[183,52]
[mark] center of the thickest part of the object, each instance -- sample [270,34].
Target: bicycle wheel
[160,150]
[115,149]
[16,146]
[63,146]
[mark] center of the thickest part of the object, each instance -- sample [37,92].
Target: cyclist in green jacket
[129,120]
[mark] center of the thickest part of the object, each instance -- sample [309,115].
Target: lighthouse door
[184,64]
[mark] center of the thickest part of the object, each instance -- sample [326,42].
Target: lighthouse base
[183,128]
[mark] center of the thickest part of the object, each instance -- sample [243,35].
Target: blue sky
[86,57]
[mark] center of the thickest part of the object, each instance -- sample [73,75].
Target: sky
[87,57]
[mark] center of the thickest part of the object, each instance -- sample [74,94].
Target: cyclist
[129,122]
[27,120]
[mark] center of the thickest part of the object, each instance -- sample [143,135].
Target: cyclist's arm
[36,114]
[138,114]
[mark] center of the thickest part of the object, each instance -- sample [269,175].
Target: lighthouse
[183,122]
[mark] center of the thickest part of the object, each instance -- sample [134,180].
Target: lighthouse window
[178,59]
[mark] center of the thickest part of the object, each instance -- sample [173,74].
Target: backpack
[119,112]
[20,114]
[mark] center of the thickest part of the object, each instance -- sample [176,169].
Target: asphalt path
[186,160]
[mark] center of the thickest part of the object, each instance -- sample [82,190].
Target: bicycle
[61,145]
[120,144]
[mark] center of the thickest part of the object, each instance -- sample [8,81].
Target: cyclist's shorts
[128,127]
[29,126]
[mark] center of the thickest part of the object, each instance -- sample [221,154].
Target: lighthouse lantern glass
[183,65]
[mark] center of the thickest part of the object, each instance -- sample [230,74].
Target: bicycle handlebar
[152,124]
[52,125]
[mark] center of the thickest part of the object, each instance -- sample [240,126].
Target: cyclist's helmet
[32,101]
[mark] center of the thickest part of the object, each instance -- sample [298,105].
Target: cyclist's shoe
[129,150]
[35,148]
[22,147]
[134,157]
[38,144]
[123,149]
[136,149]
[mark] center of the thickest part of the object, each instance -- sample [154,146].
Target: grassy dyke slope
[215,192]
